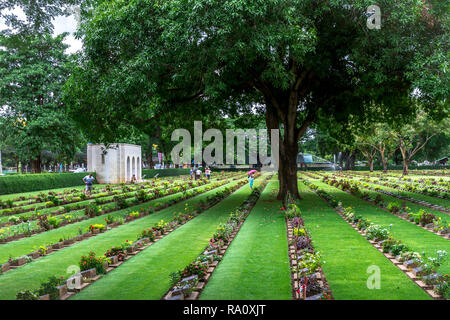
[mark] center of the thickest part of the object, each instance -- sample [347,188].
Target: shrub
[150,173]
[27,295]
[377,233]
[147,233]
[43,222]
[92,210]
[310,261]
[195,268]
[300,232]
[426,218]
[363,224]
[49,288]
[292,211]
[54,221]
[393,207]
[443,286]
[14,219]
[41,181]
[91,261]
[109,219]
[378,199]
[93,227]
[141,196]
[118,251]
[120,202]
[303,243]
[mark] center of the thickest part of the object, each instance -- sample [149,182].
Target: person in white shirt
[198,173]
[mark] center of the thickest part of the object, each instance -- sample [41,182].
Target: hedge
[34,182]
[150,173]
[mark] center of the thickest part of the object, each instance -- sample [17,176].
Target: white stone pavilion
[116,164]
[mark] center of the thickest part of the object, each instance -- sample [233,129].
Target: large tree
[414,135]
[300,60]
[33,69]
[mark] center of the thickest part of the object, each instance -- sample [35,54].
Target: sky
[61,24]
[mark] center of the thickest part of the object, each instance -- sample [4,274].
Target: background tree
[366,144]
[38,13]
[33,69]
[384,143]
[413,136]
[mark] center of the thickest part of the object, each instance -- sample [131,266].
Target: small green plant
[377,233]
[49,287]
[27,295]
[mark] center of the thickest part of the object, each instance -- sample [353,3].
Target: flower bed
[309,282]
[419,268]
[190,281]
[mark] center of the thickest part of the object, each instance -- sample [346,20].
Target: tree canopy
[301,62]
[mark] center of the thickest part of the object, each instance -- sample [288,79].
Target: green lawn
[414,237]
[347,255]
[24,246]
[32,274]
[256,265]
[433,200]
[35,193]
[146,276]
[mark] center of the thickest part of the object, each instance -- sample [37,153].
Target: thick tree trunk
[36,165]
[371,165]
[288,151]
[287,171]
[344,156]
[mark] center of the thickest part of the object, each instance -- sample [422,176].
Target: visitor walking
[192,173]
[250,180]
[208,173]
[89,181]
[198,174]
[133,179]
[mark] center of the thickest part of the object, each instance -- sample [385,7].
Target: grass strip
[30,275]
[256,265]
[347,256]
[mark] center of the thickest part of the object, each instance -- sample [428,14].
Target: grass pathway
[416,238]
[347,255]
[256,265]
[30,275]
[146,276]
[26,245]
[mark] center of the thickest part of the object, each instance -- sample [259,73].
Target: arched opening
[133,166]
[138,164]
[128,176]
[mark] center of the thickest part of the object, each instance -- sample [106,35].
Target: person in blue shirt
[89,181]
[250,181]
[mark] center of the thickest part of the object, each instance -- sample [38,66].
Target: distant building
[306,160]
[443,161]
[116,164]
